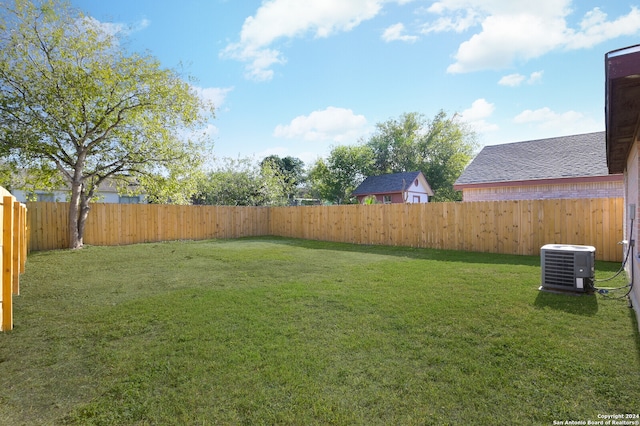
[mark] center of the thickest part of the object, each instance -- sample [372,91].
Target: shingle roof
[395,182]
[553,158]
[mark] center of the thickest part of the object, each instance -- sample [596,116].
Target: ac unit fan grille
[558,269]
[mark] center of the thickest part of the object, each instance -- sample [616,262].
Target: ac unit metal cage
[567,267]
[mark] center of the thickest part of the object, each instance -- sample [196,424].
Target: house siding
[398,198]
[62,196]
[541,192]
[395,198]
[632,197]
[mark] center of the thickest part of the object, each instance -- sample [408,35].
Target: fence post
[7,264]
[17,247]
[24,234]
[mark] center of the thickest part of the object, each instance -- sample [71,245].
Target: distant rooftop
[553,158]
[390,183]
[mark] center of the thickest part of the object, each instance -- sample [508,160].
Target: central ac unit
[567,267]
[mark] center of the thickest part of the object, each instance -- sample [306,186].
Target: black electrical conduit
[604,291]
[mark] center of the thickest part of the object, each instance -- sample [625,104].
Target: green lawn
[279,331]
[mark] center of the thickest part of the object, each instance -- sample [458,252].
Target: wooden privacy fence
[510,227]
[119,224]
[13,245]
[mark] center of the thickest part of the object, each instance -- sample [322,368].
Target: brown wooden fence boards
[120,224]
[510,227]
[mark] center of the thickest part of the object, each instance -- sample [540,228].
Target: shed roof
[571,156]
[389,183]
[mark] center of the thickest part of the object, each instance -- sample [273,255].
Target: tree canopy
[242,182]
[76,107]
[440,148]
[288,170]
[335,178]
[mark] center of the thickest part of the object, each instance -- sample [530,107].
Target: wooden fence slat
[13,251]
[17,250]
[7,263]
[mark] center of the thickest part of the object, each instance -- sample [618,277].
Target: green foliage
[71,99]
[440,148]
[289,171]
[369,200]
[6,175]
[335,178]
[241,182]
[396,144]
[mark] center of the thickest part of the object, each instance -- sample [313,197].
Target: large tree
[289,170]
[440,148]
[242,182]
[335,178]
[74,104]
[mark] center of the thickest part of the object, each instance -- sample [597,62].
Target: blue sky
[297,77]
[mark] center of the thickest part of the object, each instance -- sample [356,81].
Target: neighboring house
[622,118]
[107,193]
[563,167]
[408,187]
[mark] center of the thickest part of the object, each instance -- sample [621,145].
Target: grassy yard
[278,331]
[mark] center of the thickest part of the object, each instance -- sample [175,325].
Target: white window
[416,198]
[386,199]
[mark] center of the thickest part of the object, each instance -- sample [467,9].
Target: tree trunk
[75,236]
[83,214]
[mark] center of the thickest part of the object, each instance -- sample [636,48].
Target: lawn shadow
[425,253]
[409,252]
[578,304]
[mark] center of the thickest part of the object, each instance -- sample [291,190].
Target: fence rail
[13,248]
[510,227]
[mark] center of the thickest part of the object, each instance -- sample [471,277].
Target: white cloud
[210,131]
[116,28]
[511,31]
[286,19]
[331,124]
[396,33]
[461,21]
[477,114]
[512,80]
[214,95]
[505,39]
[515,80]
[595,28]
[545,115]
[535,77]
[570,122]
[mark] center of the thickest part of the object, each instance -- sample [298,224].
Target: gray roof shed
[389,183]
